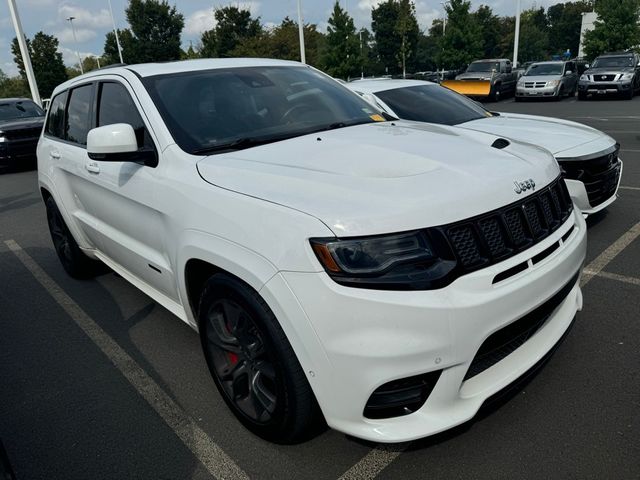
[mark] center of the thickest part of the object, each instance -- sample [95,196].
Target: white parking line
[214,459]
[619,278]
[629,188]
[611,252]
[629,150]
[374,462]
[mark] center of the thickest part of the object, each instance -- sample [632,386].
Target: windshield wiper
[237,144]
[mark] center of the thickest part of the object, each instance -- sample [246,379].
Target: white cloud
[69,56]
[199,21]
[84,17]
[82,35]
[10,69]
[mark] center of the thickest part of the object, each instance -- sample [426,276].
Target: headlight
[626,76]
[2,137]
[584,78]
[553,83]
[521,82]
[404,261]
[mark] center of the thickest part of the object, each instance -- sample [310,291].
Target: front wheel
[495,95]
[253,364]
[582,96]
[73,260]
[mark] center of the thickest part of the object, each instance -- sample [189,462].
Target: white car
[335,268]
[588,157]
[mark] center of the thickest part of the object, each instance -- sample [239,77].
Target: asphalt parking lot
[98,381]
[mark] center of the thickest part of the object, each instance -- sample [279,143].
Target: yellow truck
[489,78]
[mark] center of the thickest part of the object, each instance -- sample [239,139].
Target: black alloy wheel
[241,364]
[73,260]
[253,364]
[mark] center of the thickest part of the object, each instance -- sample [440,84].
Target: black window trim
[96,109]
[66,109]
[64,114]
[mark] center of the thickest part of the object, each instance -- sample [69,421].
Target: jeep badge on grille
[524,186]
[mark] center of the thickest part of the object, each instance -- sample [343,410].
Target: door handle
[54,154]
[92,167]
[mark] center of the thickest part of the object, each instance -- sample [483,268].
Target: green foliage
[282,42]
[233,26]
[396,33]
[462,42]
[564,22]
[616,29]
[189,54]
[13,87]
[111,55]
[490,31]
[534,36]
[46,61]
[342,54]
[154,35]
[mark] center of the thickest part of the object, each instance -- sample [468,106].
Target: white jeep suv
[383,277]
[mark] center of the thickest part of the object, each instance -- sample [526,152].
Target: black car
[611,73]
[21,122]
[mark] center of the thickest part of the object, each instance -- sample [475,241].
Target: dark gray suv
[611,73]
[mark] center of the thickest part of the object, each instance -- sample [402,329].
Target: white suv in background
[384,277]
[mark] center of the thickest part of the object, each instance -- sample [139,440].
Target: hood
[540,78]
[475,76]
[610,70]
[383,177]
[560,137]
[21,123]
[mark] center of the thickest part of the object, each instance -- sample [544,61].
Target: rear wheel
[253,364]
[73,260]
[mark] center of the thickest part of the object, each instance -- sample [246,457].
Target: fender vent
[501,143]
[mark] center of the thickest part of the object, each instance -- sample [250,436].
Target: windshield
[433,104]
[19,109]
[484,67]
[544,69]
[613,62]
[234,108]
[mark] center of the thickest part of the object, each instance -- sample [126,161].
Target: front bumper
[535,92]
[602,88]
[358,339]
[15,152]
[595,192]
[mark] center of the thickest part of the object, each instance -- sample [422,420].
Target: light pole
[517,36]
[24,52]
[75,40]
[115,32]
[301,33]
[444,19]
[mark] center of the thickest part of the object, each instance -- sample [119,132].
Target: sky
[92,19]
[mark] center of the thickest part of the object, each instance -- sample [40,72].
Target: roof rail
[113,65]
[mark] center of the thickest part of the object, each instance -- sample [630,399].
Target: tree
[616,29]
[13,87]
[48,67]
[534,36]
[233,26]
[396,33]
[154,35]
[111,54]
[282,42]
[462,42]
[342,54]
[489,29]
[190,53]
[565,21]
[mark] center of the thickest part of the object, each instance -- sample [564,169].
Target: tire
[253,365]
[517,99]
[495,95]
[629,94]
[582,96]
[558,97]
[73,260]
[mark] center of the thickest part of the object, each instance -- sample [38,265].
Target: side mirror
[587,66]
[568,72]
[117,143]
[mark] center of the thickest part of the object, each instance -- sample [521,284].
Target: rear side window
[55,120]
[78,122]
[115,105]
